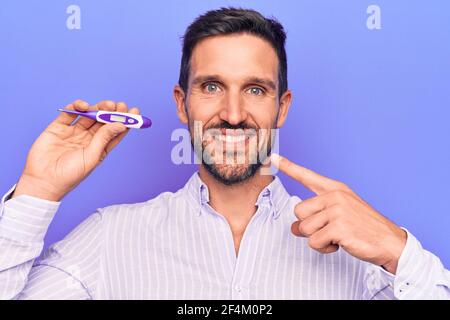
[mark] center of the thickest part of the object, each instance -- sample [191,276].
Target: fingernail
[275,159]
[295,230]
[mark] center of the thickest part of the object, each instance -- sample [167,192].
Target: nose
[233,110]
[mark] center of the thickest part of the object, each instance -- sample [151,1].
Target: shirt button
[238,288]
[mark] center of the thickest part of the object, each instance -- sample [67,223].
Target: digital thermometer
[130,120]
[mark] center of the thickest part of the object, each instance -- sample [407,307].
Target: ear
[180,100]
[285,103]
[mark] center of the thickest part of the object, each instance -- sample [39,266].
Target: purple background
[371,107]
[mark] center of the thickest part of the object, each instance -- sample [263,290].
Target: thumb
[97,151]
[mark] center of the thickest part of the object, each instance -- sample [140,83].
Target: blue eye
[211,87]
[256,91]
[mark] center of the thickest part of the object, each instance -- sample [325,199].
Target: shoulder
[159,208]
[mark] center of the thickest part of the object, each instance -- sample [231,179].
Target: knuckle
[334,195]
[339,226]
[299,214]
[305,228]
[339,196]
[338,211]
[106,104]
[298,210]
[80,102]
[344,188]
[122,105]
[313,242]
[339,186]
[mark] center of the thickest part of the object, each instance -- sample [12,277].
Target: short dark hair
[234,20]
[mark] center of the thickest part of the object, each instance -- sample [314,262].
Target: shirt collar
[274,195]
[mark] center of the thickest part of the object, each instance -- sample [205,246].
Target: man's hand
[337,217]
[65,153]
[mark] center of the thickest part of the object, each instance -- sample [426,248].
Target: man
[233,232]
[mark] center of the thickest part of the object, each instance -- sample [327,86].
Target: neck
[236,202]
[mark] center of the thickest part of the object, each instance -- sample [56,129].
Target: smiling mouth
[234,136]
[231,138]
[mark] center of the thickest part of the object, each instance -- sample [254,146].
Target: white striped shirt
[176,246]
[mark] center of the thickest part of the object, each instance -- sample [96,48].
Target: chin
[230,174]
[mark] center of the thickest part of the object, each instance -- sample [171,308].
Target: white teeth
[231,138]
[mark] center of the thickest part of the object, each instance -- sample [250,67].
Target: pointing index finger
[310,179]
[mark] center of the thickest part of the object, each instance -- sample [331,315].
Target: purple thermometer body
[130,120]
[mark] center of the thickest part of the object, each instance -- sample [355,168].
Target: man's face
[233,96]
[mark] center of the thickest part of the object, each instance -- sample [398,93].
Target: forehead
[234,57]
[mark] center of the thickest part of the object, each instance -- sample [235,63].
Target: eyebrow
[262,81]
[207,78]
[256,80]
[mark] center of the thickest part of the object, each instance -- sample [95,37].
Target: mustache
[227,125]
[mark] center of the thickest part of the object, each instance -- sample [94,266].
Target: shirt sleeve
[420,275]
[63,272]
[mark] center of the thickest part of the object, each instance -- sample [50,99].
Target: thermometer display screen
[115,117]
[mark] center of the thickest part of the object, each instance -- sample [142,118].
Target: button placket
[245,258]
